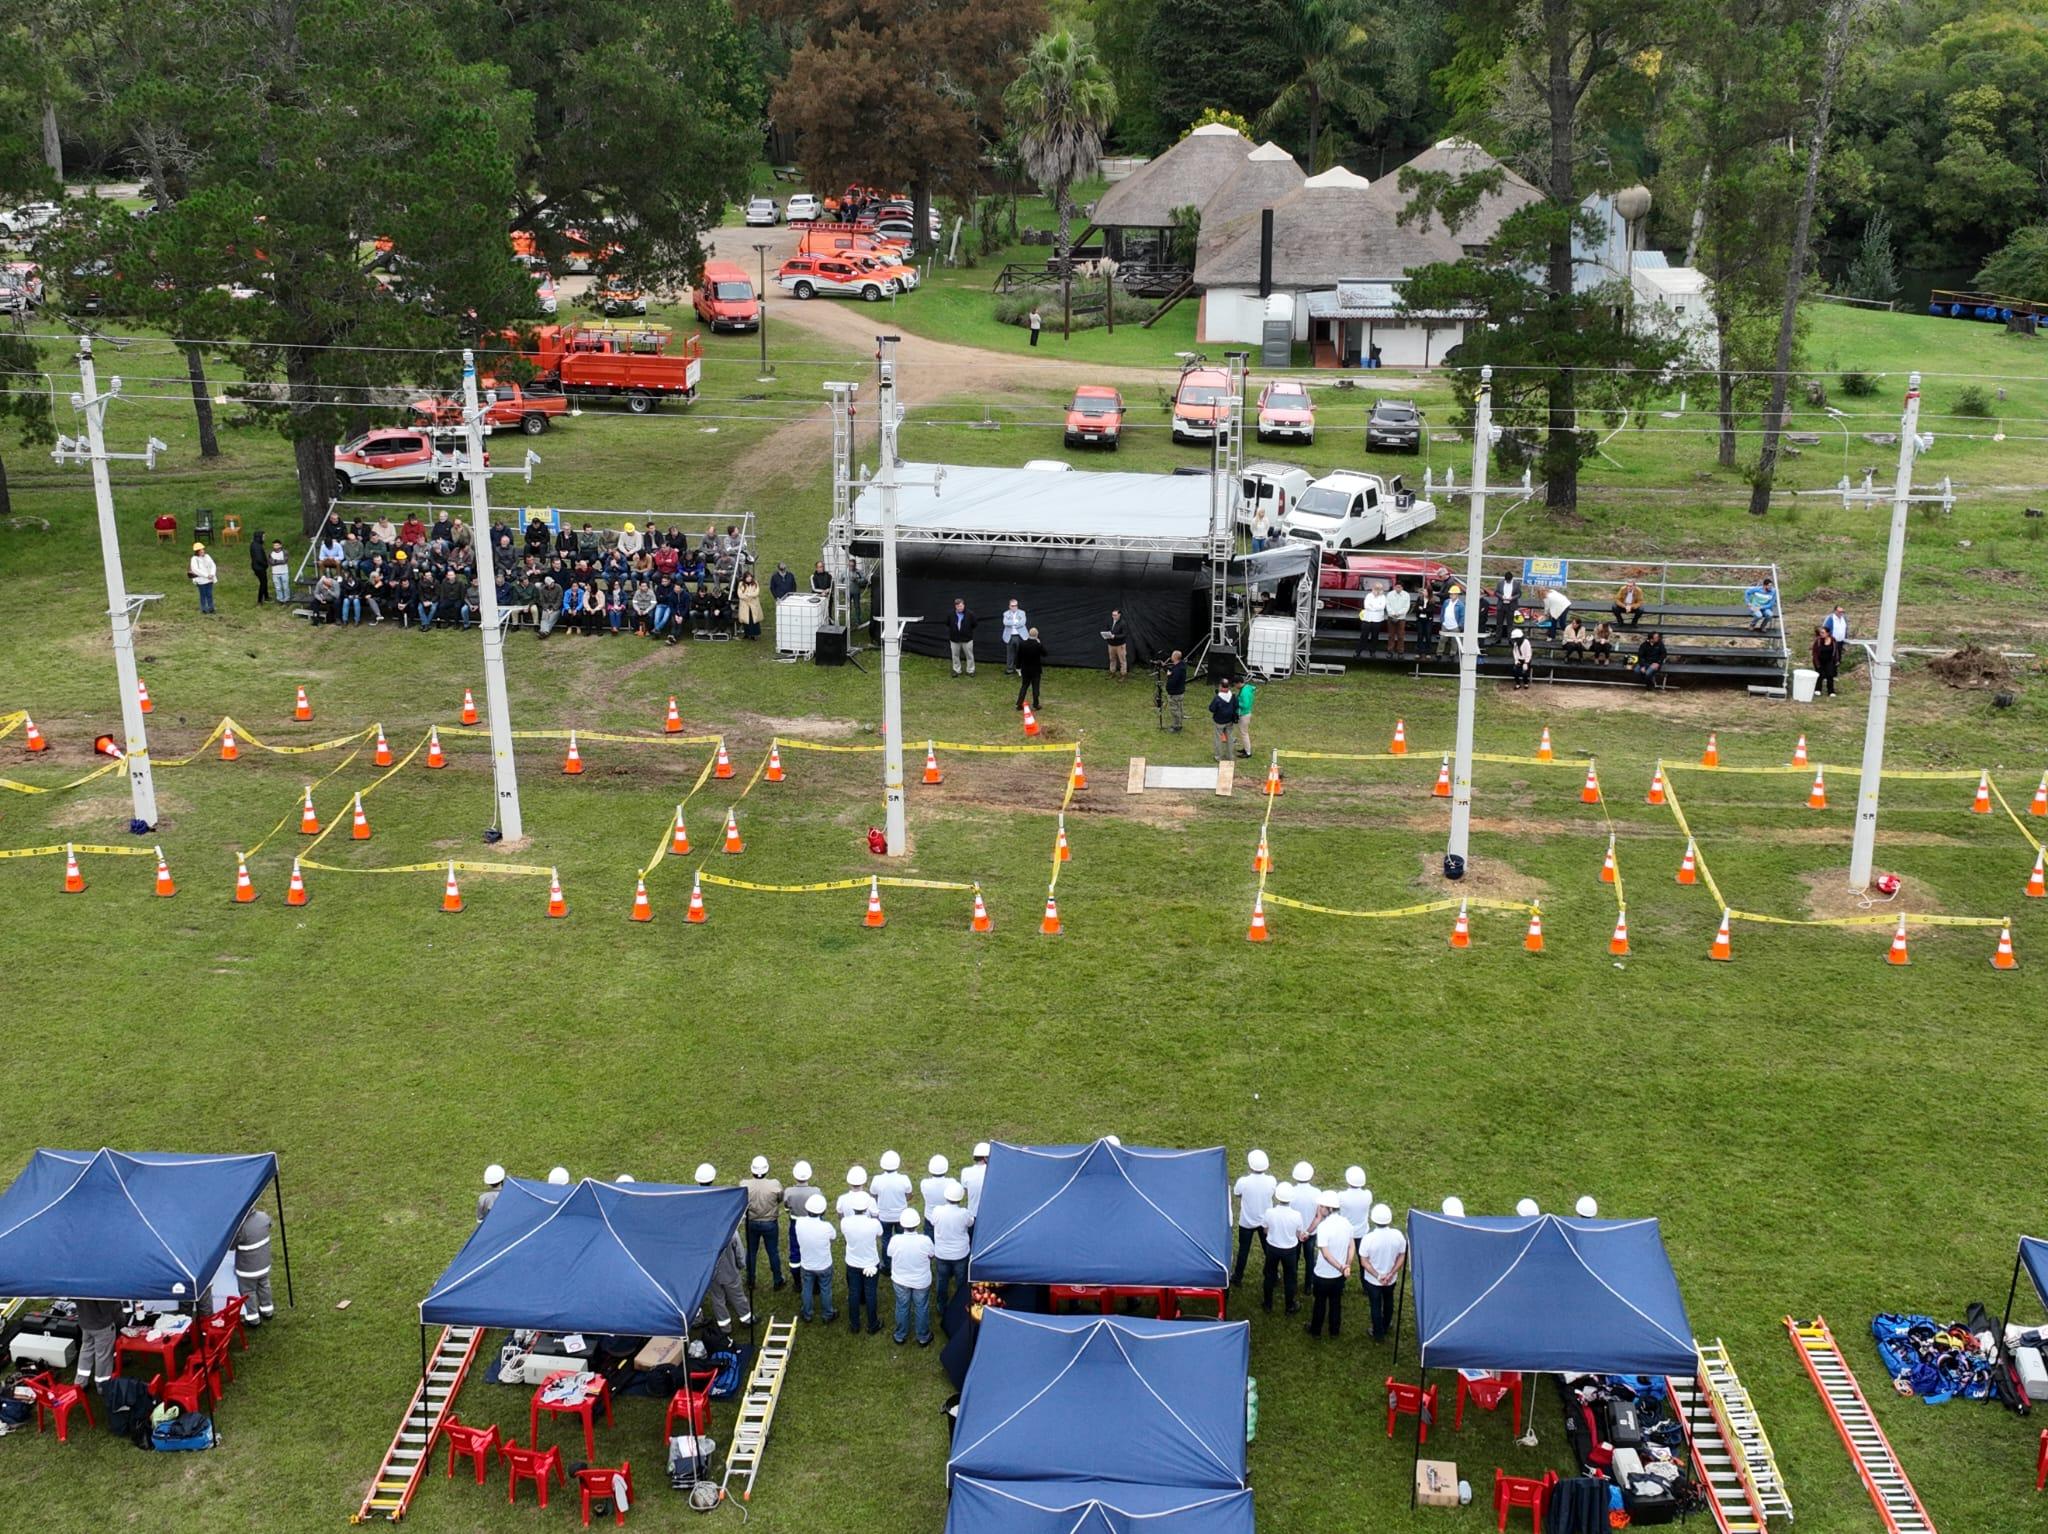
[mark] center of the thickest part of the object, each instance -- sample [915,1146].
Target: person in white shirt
[203,573]
[1283,1245]
[861,1245]
[891,1190]
[856,1187]
[1837,624]
[1304,1199]
[1254,1195]
[950,1225]
[1372,620]
[1556,603]
[1354,1199]
[1381,1256]
[1015,627]
[971,1179]
[931,1190]
[910,1275]
[1334,1245]
[814,1238]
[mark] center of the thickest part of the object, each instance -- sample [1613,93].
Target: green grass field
[1817,1130]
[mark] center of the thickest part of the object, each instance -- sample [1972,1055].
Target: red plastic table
[595,1388]
[164,1349]
[1106,1297]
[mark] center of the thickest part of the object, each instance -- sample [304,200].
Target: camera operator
[1172,677]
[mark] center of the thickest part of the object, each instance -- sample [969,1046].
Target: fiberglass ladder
[398,1478]
[757,1407]
[1729,1449]
[1883,1477]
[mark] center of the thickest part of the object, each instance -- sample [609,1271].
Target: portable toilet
[1276,334]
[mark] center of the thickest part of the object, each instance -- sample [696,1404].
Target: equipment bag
[189,1430]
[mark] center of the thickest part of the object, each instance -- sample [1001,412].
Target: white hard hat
[623,1177]
[891,1161]
[760,1166]
[815,1204]
[1517,634]
[859,1202]
[1284,1192]
[1327,1198]
[907,1219]
[981,1150]
[1382,1215]
[1354,1177]
[493,1175]
[1528,1208]
[801,1171]
[1303,1172]
[1113,1140]
[938,1166]
[1257,1161]
[1454,1207]
[559,1177]
[706,1172]
[955,1194]
[1588,1207]
[856,1177]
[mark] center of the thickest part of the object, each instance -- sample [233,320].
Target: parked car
[505,404]
[895,228]
[1347,510]
[1396,425]
[833,276]
[616,299]
[763,211]
[1277,485]
[1200,403]
[802,205]
[30,218]
[21,287]
[887,262]
[1095,417]
[1285,410]
[1342,580]
[395,456]
[724,297]
[643,363]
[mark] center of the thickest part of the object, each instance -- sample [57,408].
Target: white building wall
[1234,314]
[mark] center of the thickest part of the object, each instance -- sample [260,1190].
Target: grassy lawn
[1817,1130]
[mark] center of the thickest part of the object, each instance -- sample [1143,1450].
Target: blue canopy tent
[1094,1507]
[2033,1256]
[1103,1214]
[110,1225]
[1104,1398]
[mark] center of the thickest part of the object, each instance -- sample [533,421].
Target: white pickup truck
[1348,510]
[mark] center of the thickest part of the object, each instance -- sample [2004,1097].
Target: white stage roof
[1078,509]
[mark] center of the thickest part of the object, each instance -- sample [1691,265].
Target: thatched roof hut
[1187,175]
[1457,157]
[1333,226]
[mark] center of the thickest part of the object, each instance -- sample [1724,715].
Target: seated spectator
[679,624]
[643,607]
[1650,659]
[1574,638]
[1602,644]
[330,555]
[641,563]
[352,552]
[351,596]
[1762,602]
[537,540]
[472,602]
[630,541]
[549,605]
[426,601]
[1628,604]
[615,607]
[376,593]
[520,598]
[666,559]
[327,598]
[565,542]
[587,542]
[383,534]
[413,532]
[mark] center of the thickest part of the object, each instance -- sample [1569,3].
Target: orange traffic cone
[34,737]
[572,764]
[1618,944]
[142,696]
[1543,751]
[1533,941]
[1050,925]
[164,887]
[1461,929]
[774,773]
[1443,781]
[360,830]
[1398,746]
[1799,753]
[981,921]
[1711,757]
[436,757]
[1061,852]
[1817,796]
[2039,806]
[724,767]
[2037,881]
[1257,932]
[230,749]
[1723,948]
[2003,958]
[679,838]
[1079,776]
[309,822]
[1688,867]
[244,890]
[557,906]
[1590,793]
[1981,805]
[1607,874]
[382,756]
[1896,954]
[931,763]
[1262,860]
[296,894]
[468,706]
[874,918]
[1274,787]
[1030,721]
[673,724]
[1656,793]
[451,897]
[642,911]
[696,913]
[302,710]
[74,881]
[733,844]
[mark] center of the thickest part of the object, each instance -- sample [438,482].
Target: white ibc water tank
[1269,648]
[797,617]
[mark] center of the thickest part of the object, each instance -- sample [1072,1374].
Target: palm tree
[1330,47]
[1059,107]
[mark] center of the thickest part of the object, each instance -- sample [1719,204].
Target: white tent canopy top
[1168,513]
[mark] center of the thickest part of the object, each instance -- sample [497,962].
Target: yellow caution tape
[243,737]
[334,822]
[318,783]
[668,830]
[1425,909]
[1699,853]
[955,746]
[58,788]
[1875,919]
[813,745]
[528,870]
[583,735]
[885,881]
[2014,816]
[88,848]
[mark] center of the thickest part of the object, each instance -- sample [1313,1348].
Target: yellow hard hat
[199,548]
[629,527]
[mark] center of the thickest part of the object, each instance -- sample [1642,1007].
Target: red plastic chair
[1511,1492]
[1487,1396]
[2041,1464]
[227,1319]
[187,1391]
[473,1443]
[60,1401]
[693,1404]
[1410,1401]
[596,1481]
[534,1465]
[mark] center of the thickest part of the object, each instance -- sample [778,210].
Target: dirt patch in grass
[1486,879]
[1702,703]
[809,728]
[1971,666]
[1828,895]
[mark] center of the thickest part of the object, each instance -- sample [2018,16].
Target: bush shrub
[1857,385]
[1971,400]
[1015,308]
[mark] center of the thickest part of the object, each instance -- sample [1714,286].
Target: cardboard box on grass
[1436,1483]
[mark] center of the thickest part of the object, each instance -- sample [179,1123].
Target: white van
[1277,486]
[1348,510]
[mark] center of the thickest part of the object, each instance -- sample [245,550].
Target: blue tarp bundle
[1103,1214]
[627,1258]
[1547,1294]
[107,1225]
[1094,1507]
[1104,1398]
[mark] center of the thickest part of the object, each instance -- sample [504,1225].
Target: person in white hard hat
[972,1177]
[764,1209]
[1306,1194]
[856,1187]
[815,1235]
[559,1177]
[494,1184]
[1354,1202]
[1254,1195]
[726,1295]
[910,1275]
[931,1189]
[1588,1207]
[1335,1246]
[860,1246]
[1282,1240]
[891,1190]
[707,1174]
[950,1224]
[1382,1253]
[796,1199]
[625,1177]
[1454,1207]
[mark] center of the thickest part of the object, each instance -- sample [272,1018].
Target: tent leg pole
[424,1419]
[1400,1293]
[284,1240]
[1415,1473]
[2011,1294]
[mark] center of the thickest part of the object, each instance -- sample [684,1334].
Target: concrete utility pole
[1460,844]
[895,822]
[121,607]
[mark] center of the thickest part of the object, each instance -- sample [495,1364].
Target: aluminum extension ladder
[398,1478]
[1729,1450]
[757,1407]
[1883,1477]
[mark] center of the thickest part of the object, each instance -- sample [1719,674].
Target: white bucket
[1804,680]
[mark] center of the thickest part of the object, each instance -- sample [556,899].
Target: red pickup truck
[513,406]
[642,363]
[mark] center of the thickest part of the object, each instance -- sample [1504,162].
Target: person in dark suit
[1030,668]
[960,637]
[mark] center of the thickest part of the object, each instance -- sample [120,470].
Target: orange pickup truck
[641,363]
[513,406]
